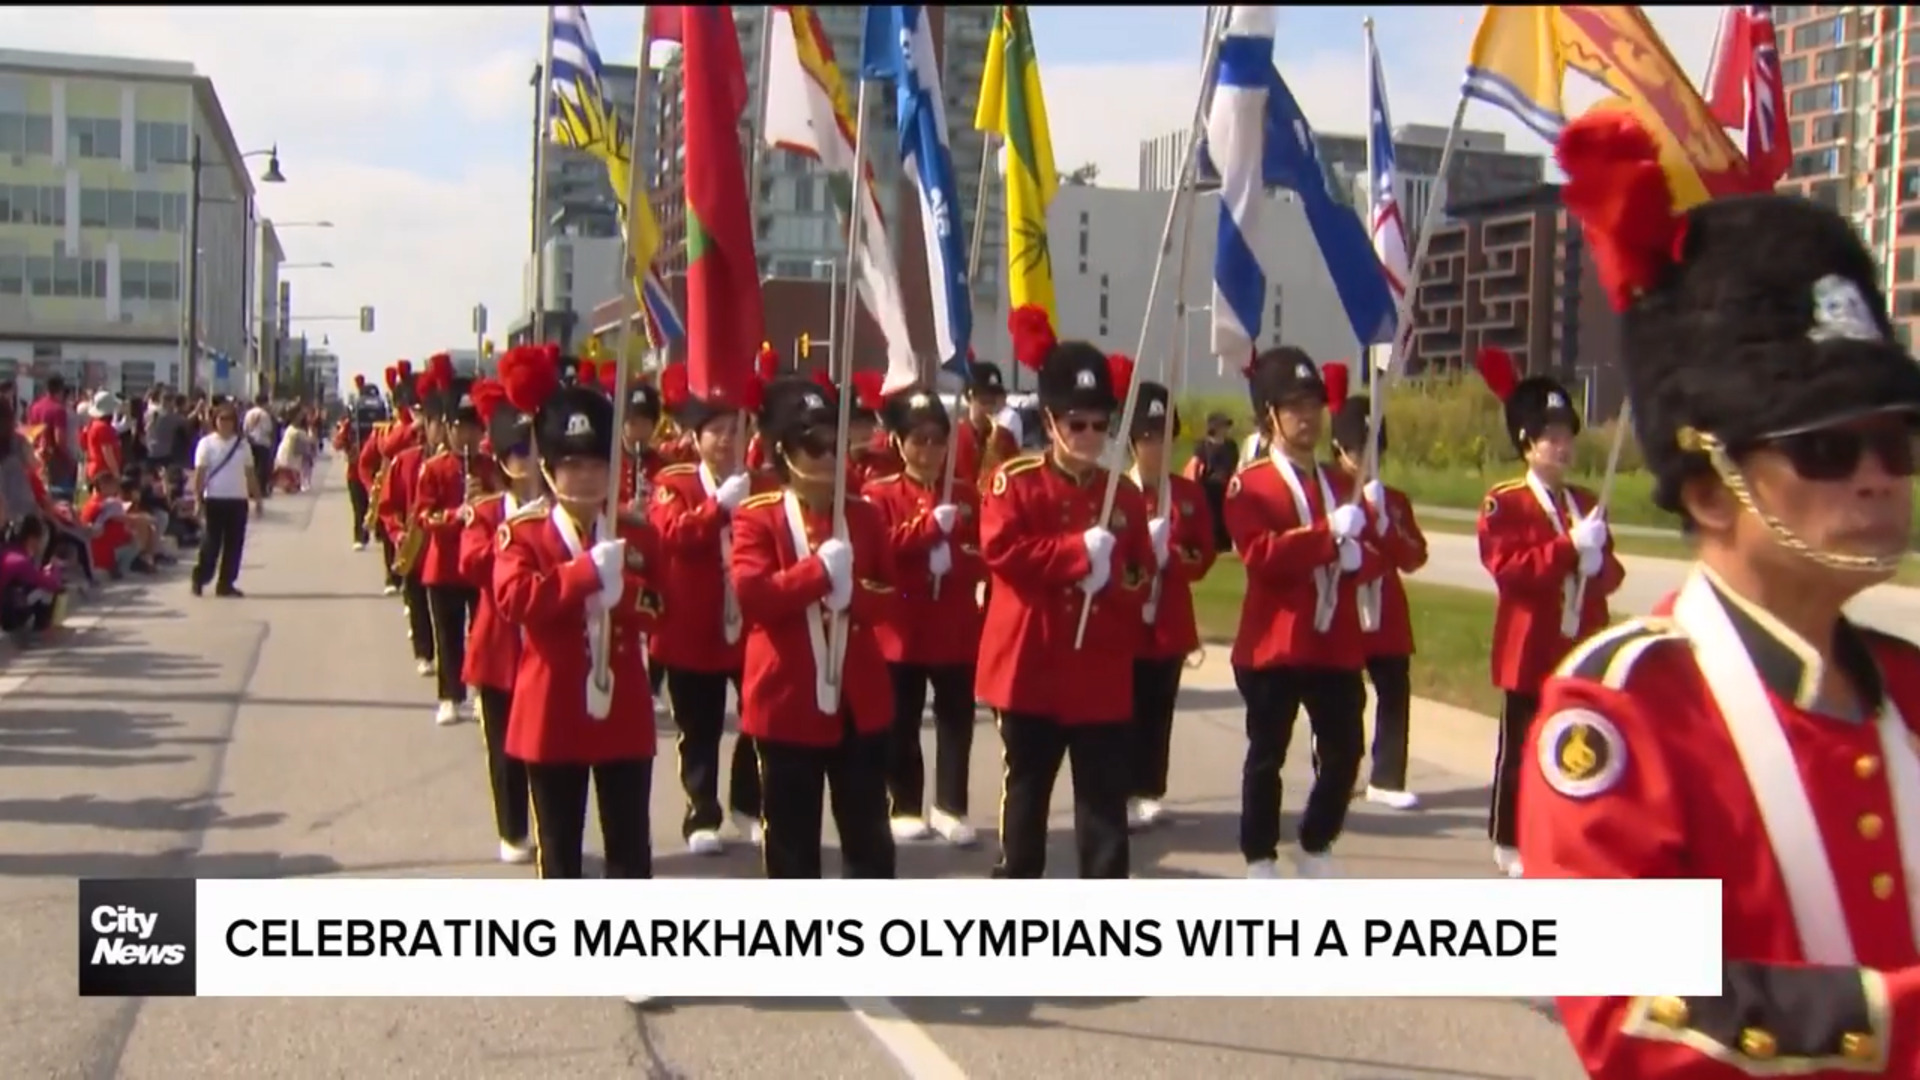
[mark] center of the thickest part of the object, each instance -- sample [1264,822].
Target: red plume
[1616,188]
[586,373]
[1338,381]
[440,366]
[1498,369]
[529,376]
[392,375]
[753,395]
[405,368]
[824,380]
[767,363]
[1032,334]
[1120,370]
[488,396]
[674,388]
[866,390]
[609,377]
[359,382]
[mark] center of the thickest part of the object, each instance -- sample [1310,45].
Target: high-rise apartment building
[95,201]
[1852,78]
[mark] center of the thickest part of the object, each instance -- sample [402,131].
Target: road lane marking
[907,1042]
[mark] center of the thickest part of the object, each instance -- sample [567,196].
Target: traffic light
[486,349]
[806,345]
[366,319]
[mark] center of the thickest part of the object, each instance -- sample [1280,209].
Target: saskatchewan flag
[1012,107]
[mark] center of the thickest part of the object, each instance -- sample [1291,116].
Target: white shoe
[953,829]
[1262,870]
[447,714]
[637,1000]
[391,590]
[705,842]
[517,854]
[907,828]
[1308,865]
[1151,811]
[749,828]
[359,547]
[423,668]
[1392,800]
[1508,860]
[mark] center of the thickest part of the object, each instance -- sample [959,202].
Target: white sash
[1766,757]
[1151,612]
[1370,593]
[1573,590]
[730,604]
[599,702]
[1326,579]
[826,691]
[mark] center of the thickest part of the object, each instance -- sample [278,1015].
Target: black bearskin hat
[643,400]
[1349,426]
[576,421]
[453,403]
[905,411]
[1150,411]
[983,377]
[791,406]
[1072,374]
[1283,374]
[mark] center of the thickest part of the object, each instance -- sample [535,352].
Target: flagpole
[842,358]
[1182,193]
[755,165]
[973,273]
[540,110]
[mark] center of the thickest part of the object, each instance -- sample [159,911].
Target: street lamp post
[190,314]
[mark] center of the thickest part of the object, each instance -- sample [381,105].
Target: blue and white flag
[1386,223]
[1257,138]
[898,47]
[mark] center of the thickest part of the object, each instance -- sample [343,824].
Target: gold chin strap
[1696,441]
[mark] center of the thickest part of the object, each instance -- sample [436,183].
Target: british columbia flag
[1744,90]
[1385,223]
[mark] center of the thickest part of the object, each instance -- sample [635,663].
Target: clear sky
[409,128]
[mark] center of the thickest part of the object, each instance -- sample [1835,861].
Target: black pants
[1156,694]
[506,776]
[699,701]
[357,498]
[223,539]
[1392,705]
[419,617]
[1336,705]
[952,738]
[1516,720]
[387,552]
[263,467]
[1097,756]
[623,791]
[852,776]
[451,608]
[18,614]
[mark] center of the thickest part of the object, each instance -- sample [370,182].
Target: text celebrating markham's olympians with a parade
[720,938]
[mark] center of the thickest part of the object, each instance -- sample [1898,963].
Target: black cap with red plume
[867,398]
[1529,404]
[1073,375]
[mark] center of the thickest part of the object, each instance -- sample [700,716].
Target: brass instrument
[989,456]
[414,543]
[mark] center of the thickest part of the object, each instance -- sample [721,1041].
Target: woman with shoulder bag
[224,483]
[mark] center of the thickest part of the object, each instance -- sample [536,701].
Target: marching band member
[566,576]
[1046,552]
[1551,557]
[1299,644]
[1183,551]
[373,459]
[766,367]
[1758,736]
[869,448]
[816,737]
[980,444]
[493,643]
[451,479]
[699,643]
[399,482]
[1385,623]
[640,461]
[348,437]
[933,638]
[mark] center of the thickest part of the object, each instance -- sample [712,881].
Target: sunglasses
[1080,425]
[1829,454]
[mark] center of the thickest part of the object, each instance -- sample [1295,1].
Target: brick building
[793,307]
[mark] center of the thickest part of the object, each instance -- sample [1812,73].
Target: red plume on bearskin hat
[674,388]
[529,376]
[405,368]
[440,366]
[1498,370]
[488,395]
[866,391]
[610,377]
[766,364]
[359,382]
[1338,381]
[1616,188]
[392,377]
[1033,336]
[586,373]
[1120,369]
[824,380]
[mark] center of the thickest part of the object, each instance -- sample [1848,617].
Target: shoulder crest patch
[1581,753]
[999,482]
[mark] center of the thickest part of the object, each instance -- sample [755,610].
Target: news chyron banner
[698,938]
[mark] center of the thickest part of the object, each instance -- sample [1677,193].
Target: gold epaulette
[1023,463]
[765,498]
[536,509]
[1507,485]
[1608,657]
[682,468]
[887,479]
[1254,464]
[489,497]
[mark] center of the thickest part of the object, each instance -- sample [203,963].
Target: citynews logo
[136,938]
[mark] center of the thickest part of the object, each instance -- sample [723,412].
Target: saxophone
[414,543]
[377,489]
[989,454]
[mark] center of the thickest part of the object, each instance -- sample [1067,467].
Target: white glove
[1349,555]
[732,491]
[1375,493]
[1100,544]
[943,516]
[609,559]
[837,558]
[1590,562]
[1589,534]
[940,559]
[1347,522]
[1160,531]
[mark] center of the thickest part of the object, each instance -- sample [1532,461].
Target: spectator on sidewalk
[224,482]
[31,595]
[1215,459]
[166,434]
[124,539]
[50,428]
[293,463]
[100,439]
[263,436]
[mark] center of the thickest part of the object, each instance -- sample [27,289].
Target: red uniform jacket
[543,589]
[493,643]
[1633,773]
[778,591]
[1190,554]
[879,457]
[678,450]
[967,441]
[437,498]
[396,495]
[399,436]
[1403,547]
[1031,521]
[692,583]
[369,460]
[924,629]
[1282,555]
[343,442]
[1531,563]
[636,476]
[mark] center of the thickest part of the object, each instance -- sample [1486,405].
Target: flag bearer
[1046,552]
[1299,644]
[1385,623]
[933,638]
[818,736]
[454,477]
[1183,551]
[1553,568]
[1758,737]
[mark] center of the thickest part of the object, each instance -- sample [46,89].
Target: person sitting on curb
[31,596]
[123,539]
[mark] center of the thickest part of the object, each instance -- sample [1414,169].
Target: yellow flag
[1012,106]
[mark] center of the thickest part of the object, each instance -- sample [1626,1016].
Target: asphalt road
[286,734]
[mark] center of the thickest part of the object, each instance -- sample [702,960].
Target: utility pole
[190,317]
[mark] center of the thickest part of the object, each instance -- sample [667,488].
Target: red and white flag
[1744,91]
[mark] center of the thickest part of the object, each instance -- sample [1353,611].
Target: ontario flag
[1744,90]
